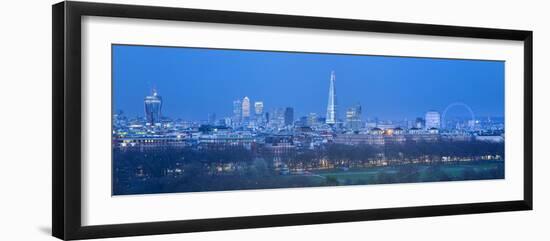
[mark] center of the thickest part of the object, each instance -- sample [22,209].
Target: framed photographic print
[171,120]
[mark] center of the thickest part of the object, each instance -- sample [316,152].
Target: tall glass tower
[259,108]
[259,111]
[237,111]
[153,106]
[246,108]
[332,106]
[353,117]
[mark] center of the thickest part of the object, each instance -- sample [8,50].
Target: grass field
[476,170]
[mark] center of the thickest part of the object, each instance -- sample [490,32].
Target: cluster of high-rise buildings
[284,118]
[253,116]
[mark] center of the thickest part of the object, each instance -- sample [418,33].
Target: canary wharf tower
[332,106]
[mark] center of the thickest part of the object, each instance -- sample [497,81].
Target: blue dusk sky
[194,82]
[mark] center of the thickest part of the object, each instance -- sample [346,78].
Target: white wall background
[25,119]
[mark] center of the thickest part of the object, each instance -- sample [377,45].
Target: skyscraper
[277,118]
[259,111]
[289,116]
[246,107]
[353,117]
[332,106]
[153,106]
[259,108]
[237,112]
[433,120]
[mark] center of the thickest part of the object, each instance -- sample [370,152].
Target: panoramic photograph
[187,119]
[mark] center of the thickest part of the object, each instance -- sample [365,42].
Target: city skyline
[386,105]
[242,113]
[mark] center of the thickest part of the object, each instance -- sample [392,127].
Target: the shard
[332,106]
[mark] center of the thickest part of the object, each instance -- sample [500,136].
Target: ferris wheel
[453,105]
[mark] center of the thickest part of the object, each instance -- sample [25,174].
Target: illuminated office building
[237,112]
[153,106]
[433,120]
[259,108]
[246,108]
[353,117]
[259,111]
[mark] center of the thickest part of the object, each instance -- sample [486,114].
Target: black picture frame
[66,75]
